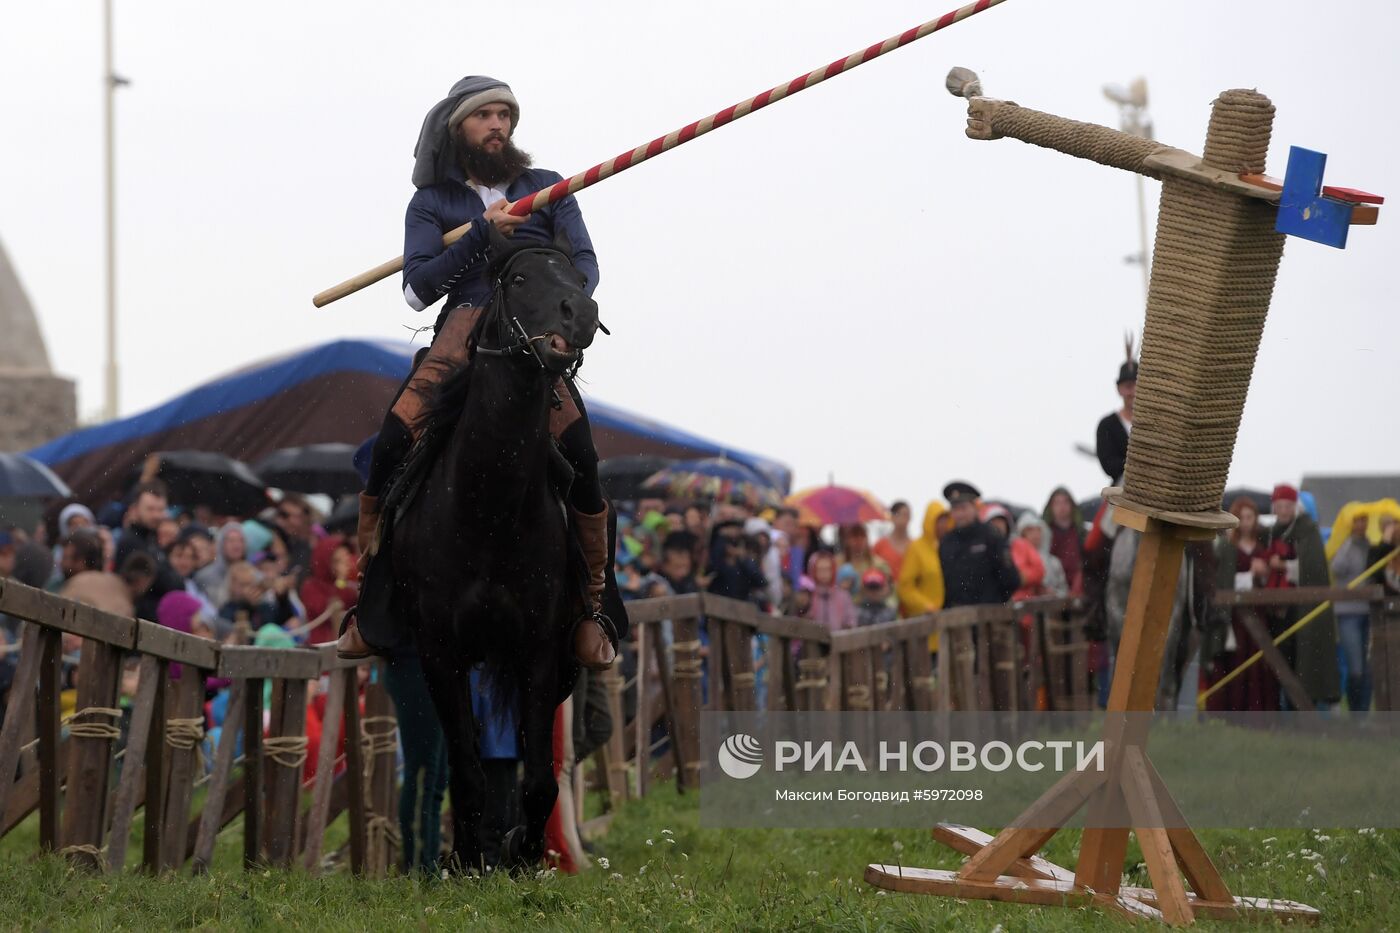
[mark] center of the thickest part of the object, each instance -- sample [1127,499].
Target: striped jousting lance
[714,121]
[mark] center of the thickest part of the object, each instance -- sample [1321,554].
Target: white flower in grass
[898,846]
[643,869]
[667,832]
[671,841]
[1317,867]
[1270,839]
[603,862]
[616,876]
[650,842]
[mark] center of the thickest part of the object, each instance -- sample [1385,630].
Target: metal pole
[1132,114]
[1142,238]
[110,80]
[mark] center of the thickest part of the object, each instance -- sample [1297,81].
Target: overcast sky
[842,281]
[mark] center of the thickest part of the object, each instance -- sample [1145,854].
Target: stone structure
[35,405]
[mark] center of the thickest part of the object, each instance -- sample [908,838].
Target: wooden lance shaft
[626,160]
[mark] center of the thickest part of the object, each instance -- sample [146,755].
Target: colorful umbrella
[713,478]
[836,505]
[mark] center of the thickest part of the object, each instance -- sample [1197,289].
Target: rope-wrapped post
[1214,263]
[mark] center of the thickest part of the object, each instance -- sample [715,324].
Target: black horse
[483,562]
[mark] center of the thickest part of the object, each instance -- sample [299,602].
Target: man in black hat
[1111,442]
[977,567]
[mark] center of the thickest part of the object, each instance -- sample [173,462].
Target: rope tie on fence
[98,855]
[289,751]
[882,681]
[381,833]
[95,730]
[186,734]
[924,683]
[379,743]
[687,668]
[811,673]
[858,696]
[744,678]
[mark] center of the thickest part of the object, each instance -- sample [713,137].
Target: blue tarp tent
[336,392]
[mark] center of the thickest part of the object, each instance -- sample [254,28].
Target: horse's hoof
[513,858]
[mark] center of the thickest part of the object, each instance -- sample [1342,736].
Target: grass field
[658,870]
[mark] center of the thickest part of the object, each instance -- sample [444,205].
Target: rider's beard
[492,168]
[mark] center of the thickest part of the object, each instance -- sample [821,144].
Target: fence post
[187,701]
[21,708]
[252,773]
[1385,653]
[285,749]
[687,670]
[49,672]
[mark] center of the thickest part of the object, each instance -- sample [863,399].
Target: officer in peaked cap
[977,567]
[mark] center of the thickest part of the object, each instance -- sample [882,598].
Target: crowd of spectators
[280,579]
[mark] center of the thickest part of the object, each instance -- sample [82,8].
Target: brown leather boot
[591,644]
[350,646]
[365,530]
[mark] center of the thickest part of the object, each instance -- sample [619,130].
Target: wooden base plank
[1052,893]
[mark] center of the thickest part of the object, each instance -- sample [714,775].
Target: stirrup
[609,631]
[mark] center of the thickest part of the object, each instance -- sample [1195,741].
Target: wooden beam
[65,615]
[176,646]
[282,663]
[1292,684]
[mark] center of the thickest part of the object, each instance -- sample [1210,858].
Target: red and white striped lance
[685,134]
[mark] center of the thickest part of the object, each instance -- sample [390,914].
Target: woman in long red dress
[1243,564]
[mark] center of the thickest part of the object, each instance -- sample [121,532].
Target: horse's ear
[564,245]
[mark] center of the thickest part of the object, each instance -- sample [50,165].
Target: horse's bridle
[521,343]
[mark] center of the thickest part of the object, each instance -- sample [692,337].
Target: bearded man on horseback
[468,169]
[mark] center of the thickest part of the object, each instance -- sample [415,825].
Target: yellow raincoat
[1341,528]
[920,584]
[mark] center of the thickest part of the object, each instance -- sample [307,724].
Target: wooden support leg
[252,774]
[210,821]
[49,673]
[1152,838]
[1145,629]
[355,772]
[20,711]
[325,774]
[668,696]
[129,786]
[156,758]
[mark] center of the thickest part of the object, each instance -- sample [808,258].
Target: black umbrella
[1263,498]
[323,468]
[199,477]
[344,518]
[622,477]
[24,477]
